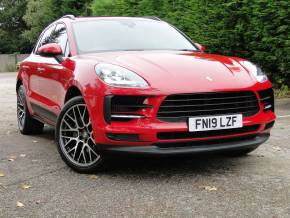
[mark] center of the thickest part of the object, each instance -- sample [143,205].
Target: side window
[46,37]
[56,34]
[60,37]
[67,50]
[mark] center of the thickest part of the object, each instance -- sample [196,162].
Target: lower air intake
[205,134]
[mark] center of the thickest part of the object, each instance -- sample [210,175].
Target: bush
[258,28]
[254,29]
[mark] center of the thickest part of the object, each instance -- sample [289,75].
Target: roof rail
[70,16]
[153,18]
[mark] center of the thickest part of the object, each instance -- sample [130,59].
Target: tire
[75,140]
[26,124]
[240,152]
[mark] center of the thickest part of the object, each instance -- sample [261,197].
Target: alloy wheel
[20,107]
[76,137]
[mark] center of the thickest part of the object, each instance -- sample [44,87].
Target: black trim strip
[198,105]
[43,112]
[107,108]
[205,134]
[123,137]
[269,125]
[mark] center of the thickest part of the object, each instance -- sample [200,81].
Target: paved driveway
[32,174]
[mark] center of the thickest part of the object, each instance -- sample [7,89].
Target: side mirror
[51,50]
[200,47]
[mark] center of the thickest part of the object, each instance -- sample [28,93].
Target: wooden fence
[8,62]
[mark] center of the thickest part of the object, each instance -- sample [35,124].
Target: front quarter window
[45,37]
[56,34]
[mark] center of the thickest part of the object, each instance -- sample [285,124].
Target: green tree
[40,13]
[75,7]
[259,29]
[12,25]
[268,38]
[109,8]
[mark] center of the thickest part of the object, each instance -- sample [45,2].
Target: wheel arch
[73,91]
[18,84]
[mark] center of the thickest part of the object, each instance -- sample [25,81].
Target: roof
[72,17]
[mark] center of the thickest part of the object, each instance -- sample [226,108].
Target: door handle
[40,69]
[25,67]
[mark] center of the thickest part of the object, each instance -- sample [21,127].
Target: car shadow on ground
[132,165]
[181,165]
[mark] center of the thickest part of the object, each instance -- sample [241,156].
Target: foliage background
[258,30]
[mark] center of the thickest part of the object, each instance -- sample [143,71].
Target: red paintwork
[50,49]
[166,72]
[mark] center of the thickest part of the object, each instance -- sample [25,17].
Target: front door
[52,77]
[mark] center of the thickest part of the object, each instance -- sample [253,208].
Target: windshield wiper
[186,50]
[132,50]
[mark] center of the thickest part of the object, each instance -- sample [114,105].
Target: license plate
[215,122]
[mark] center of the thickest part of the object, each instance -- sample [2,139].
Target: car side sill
[44,115]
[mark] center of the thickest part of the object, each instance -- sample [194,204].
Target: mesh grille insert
[267,99]
[179,107]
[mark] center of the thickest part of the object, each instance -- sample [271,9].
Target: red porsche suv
[139,85]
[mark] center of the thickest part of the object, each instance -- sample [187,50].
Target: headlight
[255,70]
[119,76]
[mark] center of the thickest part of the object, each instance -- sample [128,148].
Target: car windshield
[128,34]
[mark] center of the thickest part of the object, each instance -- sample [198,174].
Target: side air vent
[269,125]
[124,108]
[267,99]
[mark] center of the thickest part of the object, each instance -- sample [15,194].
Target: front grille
[179,107]
[205,134]
[205,142]
[267,99]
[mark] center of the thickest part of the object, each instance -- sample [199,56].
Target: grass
[282,92]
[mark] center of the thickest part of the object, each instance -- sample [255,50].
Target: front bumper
[148,127]
[206,148]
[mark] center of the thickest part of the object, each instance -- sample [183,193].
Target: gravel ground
[33,176]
